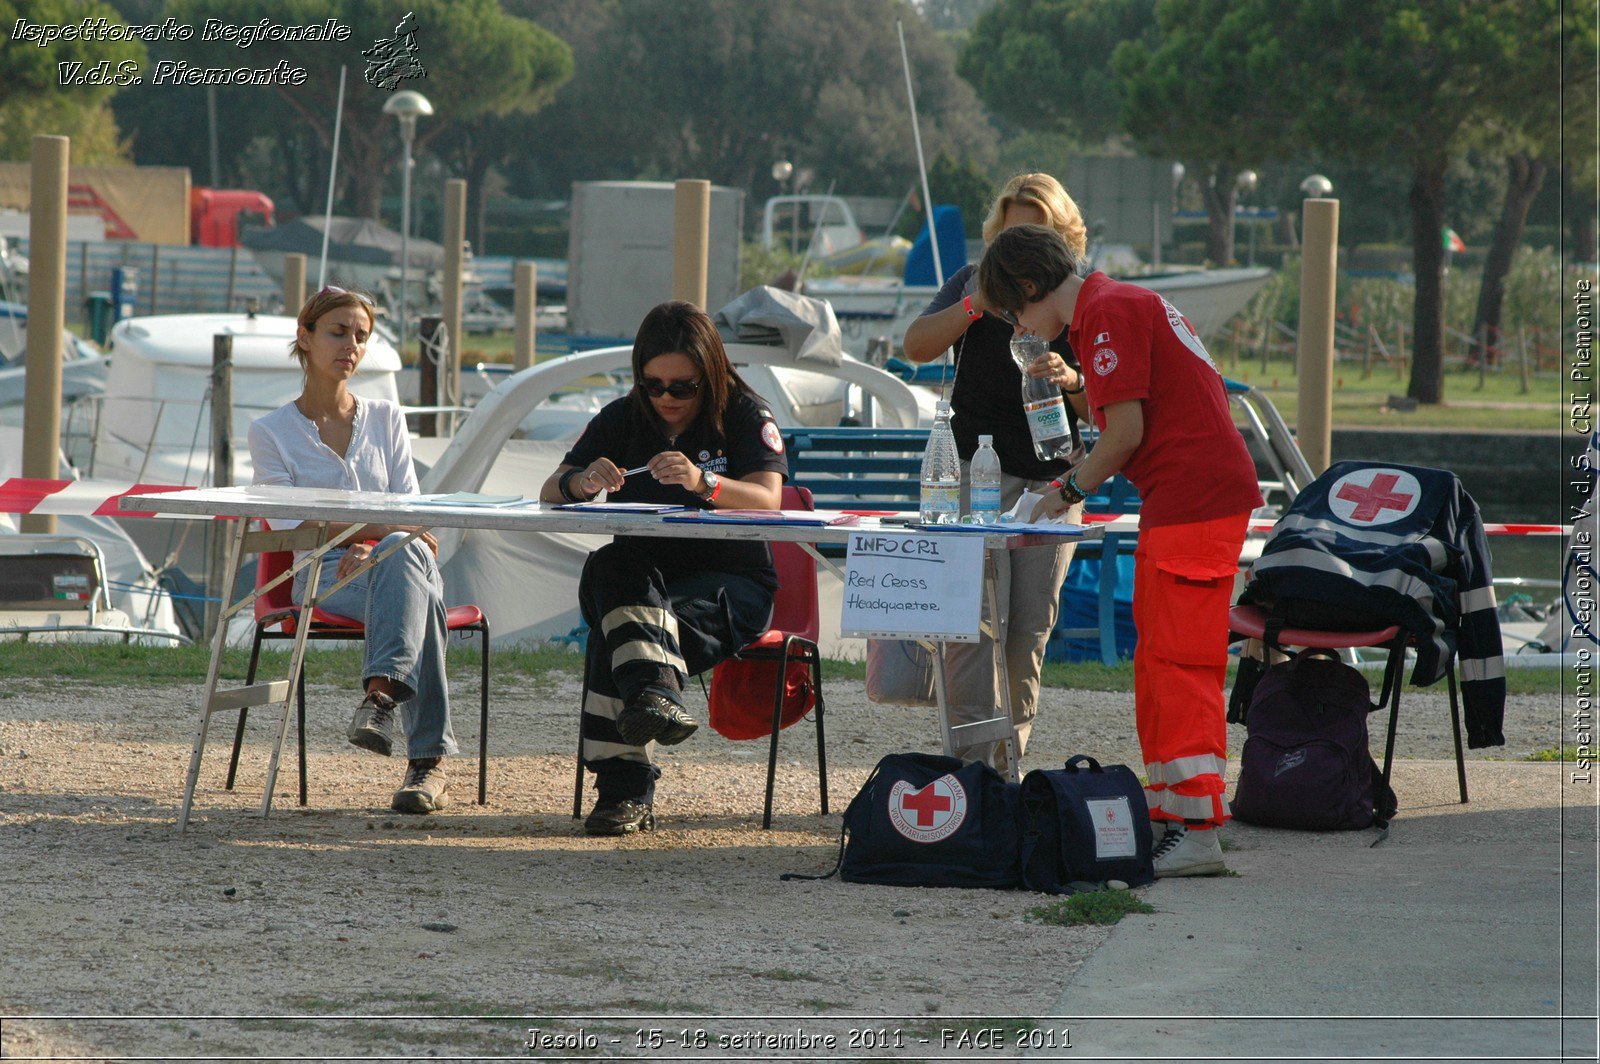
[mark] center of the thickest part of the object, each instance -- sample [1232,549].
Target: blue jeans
[401,602]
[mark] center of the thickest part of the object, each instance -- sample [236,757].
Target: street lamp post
[1243,185]
[406,106]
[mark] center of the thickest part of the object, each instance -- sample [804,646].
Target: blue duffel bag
[1084,825]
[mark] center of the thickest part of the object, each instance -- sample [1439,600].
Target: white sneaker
[1189,853]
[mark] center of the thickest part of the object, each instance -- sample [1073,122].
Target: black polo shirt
[750,443]
[987,396]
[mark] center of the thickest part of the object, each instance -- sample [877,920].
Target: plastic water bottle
[985,486]
[941,472]
[1046,410]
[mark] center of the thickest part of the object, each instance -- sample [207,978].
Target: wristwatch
[713,485]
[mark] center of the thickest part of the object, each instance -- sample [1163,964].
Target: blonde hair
[329,298]
[1046,193]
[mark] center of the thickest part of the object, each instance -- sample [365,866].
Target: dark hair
[1024,264]
[678,327]
[329,298]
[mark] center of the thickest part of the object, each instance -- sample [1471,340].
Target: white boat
[872,304]
[154,423]
[83,375]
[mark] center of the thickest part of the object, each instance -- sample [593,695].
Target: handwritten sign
[913,585]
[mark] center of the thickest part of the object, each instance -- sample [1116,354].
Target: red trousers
[1182,588]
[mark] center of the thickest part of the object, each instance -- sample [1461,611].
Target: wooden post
[691,223]
[47,308]
[1399,350]
[1366,353]
[221,475]
[429,356]
[294,282]
[1314,357]
[523,341]
[233,269]
[155,278]
[1522,358]
[455,230]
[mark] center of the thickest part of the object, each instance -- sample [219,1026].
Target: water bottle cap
[985,441]
[942,406]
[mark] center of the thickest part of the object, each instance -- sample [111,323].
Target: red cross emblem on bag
[929,814]
[1371,497]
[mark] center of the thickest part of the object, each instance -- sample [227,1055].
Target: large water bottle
[1042,403]
[941,472]
[984,489]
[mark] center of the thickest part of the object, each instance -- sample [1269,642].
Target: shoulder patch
[772,437]
[1105,360]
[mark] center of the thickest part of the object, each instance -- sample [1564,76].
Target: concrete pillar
[294,283]
[1318,265]
[691,224]
[47,307]
[455,234]
[527,298]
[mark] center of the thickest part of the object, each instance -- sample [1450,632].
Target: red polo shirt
[1192,464]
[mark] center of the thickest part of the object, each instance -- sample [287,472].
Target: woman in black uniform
[660,610]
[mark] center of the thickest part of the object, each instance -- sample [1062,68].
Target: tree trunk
[1427,261]
[1525,176]
[1580,209]
[1219,196]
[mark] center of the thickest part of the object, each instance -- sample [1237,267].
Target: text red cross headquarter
[925,803]
[1375,498]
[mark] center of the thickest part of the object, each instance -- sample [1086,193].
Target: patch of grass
[822,1004]
[786,975]
[1554,753]
[1092,907]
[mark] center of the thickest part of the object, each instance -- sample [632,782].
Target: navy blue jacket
[1405,545]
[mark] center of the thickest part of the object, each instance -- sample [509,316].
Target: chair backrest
[270,564]
[794,609]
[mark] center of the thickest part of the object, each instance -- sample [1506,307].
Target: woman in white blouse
[329,438]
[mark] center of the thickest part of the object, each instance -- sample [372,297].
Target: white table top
[336,504]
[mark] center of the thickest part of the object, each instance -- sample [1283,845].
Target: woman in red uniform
[1163,414]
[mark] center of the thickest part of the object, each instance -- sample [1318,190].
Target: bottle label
[1047,418]
[941,498]
[986,500]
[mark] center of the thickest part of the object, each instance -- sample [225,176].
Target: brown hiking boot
[424,789]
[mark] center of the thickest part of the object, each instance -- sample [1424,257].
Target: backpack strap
[844,829]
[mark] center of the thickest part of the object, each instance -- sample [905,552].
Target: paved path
[1452,940]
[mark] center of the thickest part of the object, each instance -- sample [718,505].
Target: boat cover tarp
[803,325]
[349,240]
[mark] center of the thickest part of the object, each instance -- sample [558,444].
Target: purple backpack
[1306,764]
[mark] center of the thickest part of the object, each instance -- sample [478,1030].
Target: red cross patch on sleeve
[772,437]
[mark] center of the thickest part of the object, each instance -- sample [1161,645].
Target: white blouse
[285,448]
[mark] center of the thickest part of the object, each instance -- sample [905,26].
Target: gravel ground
[317,932]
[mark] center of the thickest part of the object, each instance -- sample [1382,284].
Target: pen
[631,472]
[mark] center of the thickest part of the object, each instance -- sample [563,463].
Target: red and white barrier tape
[62,498]
[1130,523]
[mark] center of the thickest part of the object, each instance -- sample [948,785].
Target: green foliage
[967,186]
[723,88]
[1046,64]
[460,43]
[33,99]
[1091,907]
[1567,753]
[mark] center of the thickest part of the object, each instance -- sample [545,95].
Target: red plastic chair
[790,637]
[1251,621]
[276,617]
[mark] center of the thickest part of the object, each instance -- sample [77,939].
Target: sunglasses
[331,289]
[677,389]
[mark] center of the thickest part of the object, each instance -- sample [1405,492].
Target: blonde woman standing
[987,400]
